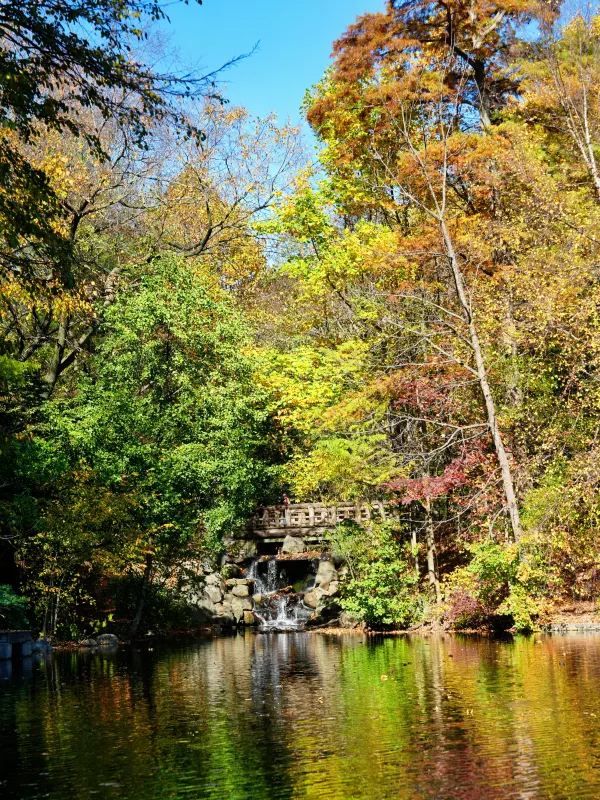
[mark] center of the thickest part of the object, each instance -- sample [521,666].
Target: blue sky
[294,45]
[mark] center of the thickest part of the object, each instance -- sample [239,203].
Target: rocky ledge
[231,597]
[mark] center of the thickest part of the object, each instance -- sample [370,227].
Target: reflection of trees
[472,718]
[305,716]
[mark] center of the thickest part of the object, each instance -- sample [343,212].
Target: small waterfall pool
[278,592]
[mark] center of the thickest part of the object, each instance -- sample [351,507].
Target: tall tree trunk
[46,612]
[590,150]
[139,612]
[414,543]
[480,368]
[430,546]
[54,368]
[484,97]
[55,614]
[577,118]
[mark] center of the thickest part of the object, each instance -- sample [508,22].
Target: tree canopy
[193,327]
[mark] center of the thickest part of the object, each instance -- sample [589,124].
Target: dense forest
[198,317]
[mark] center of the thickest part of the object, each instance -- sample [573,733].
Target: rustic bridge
[313,520]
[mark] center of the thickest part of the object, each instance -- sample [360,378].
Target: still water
[306,716]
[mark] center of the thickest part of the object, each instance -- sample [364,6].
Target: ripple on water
[304,716]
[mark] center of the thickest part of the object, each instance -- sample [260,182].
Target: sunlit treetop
[470,41]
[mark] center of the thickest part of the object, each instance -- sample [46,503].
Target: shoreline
[577,617]
[547,629]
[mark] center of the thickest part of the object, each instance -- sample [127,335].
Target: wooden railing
[305,519]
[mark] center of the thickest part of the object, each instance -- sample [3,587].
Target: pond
[311,716]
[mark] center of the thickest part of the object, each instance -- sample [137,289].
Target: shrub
[13,608]
[465,611]
[380,588]
[500,581]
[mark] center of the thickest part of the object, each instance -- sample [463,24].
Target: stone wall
[228,595]
[232,600]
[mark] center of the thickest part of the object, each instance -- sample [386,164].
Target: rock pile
[326,586]
[231,597]
[228,600]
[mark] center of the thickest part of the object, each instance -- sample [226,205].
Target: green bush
[380,587]
[500,581]
[13,609]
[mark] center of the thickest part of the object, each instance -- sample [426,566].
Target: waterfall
[272,576]
[277,610]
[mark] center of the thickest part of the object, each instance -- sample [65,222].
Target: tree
[129,206]
[421,172]
[59,60]
[74,100]
[59,57]
[165,446]
[560,91]
[52,300]
[380,49]
[222,189]
[119,214]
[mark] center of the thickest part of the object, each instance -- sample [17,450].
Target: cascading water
[279,608]
[272,576]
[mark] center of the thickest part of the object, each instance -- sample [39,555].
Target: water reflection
[306,716]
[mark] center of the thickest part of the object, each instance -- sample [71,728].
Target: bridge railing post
[302,517]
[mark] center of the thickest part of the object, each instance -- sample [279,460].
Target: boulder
[240,550]
[313,597]
[41,646]
[348,621]
[292,544]
[258,599]
[237,582]
[224,613]
[241,590]
[326,573]
[88,643]
[325,614]
[239,605]
[214,593]
[331,589]
[205,607]
[214,579]
[249,618]
[107,640]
